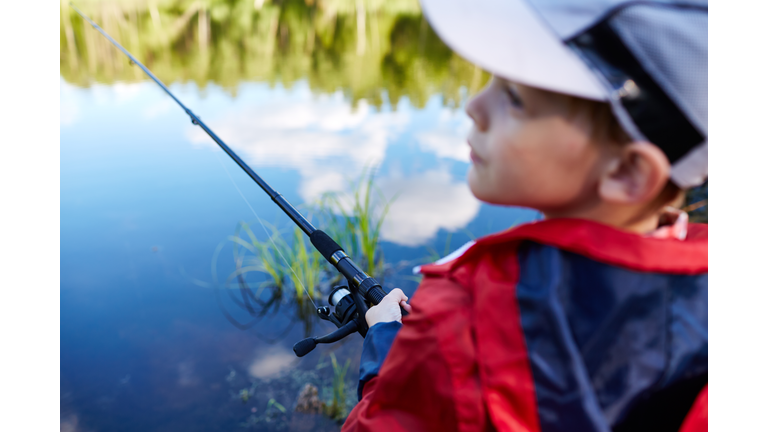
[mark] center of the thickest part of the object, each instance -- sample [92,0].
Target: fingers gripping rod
[367,286]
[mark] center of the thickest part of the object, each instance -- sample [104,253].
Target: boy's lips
[473,156]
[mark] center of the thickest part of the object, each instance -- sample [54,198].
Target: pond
[317,97]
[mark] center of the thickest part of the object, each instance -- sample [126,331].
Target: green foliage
[385,49]
[362,216]
[274,413]
[303,270]
[277,405]
[434,255]
[266,258]
[306,265]
[336,409]
[290,270]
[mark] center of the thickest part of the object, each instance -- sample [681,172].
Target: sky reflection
[329,143]
[145,202]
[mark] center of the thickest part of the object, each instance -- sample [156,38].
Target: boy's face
[528,150]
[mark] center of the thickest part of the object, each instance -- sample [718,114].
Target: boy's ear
[635,175]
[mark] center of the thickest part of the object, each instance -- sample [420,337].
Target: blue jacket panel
[601,338]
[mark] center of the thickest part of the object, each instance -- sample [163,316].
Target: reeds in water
[296,266]
[355,221]
[293,270]
[337,409]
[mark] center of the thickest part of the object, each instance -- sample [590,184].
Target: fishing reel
[350,302]
[348,315]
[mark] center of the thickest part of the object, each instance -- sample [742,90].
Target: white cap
[647,59]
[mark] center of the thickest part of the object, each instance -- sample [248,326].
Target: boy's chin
[475,185]
[487,195]
[500,198]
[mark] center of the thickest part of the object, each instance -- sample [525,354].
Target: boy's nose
[477,113]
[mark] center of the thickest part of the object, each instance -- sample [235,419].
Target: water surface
[146,197]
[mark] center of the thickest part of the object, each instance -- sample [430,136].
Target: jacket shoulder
[596,241]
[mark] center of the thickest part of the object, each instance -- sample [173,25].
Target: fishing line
[362,287]
[265,229]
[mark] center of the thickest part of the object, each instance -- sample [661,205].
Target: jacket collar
[599,242]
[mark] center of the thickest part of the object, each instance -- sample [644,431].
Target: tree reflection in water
[369,49]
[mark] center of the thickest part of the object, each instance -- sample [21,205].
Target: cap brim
[509,39]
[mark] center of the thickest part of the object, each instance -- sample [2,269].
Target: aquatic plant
[306,265]
[263,259]
[297,264]
[354,221]
[274,413]
[301,388]
[277,405]
[266,254]
[337,408]
[361,217]
[434,255]
[271,270]
[245,393]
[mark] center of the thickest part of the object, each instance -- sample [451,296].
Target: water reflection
[272,362]
[426,203]
[309,93]
[328,143]
[323,138]
[376,50]
[446,138]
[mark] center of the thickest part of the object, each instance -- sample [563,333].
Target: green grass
[434,254]
[355,221]
[307,266]
[288,267]
[266,258]
[303,270]
[337,409]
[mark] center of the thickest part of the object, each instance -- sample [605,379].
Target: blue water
[146,199]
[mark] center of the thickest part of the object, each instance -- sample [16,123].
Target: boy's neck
[627,218]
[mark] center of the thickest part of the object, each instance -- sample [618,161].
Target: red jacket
[560,324]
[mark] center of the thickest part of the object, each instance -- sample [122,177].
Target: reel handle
[304,347]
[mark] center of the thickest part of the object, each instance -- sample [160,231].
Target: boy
[594,319]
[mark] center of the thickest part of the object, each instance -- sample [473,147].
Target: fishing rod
[349,302]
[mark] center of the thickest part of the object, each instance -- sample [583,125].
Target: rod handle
[377,293]
[324,244]
[327,247]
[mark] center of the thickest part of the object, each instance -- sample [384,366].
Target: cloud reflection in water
[428,202]
[328,142]
[271,361]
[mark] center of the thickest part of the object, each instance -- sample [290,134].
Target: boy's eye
[514,97]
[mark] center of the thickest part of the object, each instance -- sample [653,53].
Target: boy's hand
[389,308]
